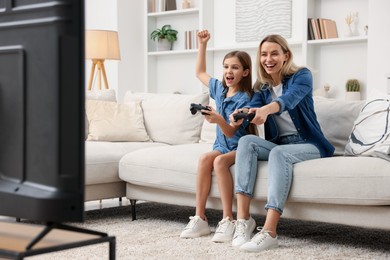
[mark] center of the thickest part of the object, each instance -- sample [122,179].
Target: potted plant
[353,89]
[164,37]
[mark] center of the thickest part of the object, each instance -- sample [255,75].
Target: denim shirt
[297,99]
[225,107]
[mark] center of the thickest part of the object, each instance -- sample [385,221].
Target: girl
[233,92]
[283,103]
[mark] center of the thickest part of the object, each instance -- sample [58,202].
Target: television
[42,110]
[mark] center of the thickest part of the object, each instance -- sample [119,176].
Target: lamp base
[101,72]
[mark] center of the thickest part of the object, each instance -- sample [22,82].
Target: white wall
[131,73]
[378,45]
[102,14]
[224,33]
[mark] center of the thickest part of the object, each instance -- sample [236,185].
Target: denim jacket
[297,99]
[225,107]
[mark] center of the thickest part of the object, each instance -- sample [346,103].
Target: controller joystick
[198,107]
[243,115]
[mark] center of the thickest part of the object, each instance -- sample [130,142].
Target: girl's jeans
[251,148]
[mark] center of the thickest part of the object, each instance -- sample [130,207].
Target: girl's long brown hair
[245,85]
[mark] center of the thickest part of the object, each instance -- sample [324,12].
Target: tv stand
[19,240]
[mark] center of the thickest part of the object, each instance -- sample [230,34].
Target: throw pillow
[371,130]
[336,118]
[168,118]
[111,121]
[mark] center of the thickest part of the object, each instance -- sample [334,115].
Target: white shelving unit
[165,71]
[332,61]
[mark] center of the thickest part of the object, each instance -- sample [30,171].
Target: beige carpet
[155,235]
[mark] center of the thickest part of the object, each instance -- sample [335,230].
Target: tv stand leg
[50,226]
[41,235]
[133,213]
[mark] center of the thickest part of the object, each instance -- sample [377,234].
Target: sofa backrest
[336,118]
[167,117]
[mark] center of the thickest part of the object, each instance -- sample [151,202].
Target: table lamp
[101,45]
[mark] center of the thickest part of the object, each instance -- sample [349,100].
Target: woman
[283,103]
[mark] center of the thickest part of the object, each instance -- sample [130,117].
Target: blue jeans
[281,158]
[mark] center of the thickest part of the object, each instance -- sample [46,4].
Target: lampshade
[102,44]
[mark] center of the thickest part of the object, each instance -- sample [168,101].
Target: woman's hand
[261,113]
[260,116]
[231,118]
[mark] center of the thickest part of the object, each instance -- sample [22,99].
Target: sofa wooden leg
[133,214]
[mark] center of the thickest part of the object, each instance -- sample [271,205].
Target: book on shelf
[191,39]
[315,28]
[162,5]
[321,22]
[330,29]
[310,32]
[321,28]
[170,5]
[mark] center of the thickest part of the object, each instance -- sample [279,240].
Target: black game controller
[198,107]
[243,115]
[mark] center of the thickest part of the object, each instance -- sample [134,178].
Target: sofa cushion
[168,118]
[342,180]
[102,159]
[335,180]
[168,167]
[111,121]
[174,168]
[336,118]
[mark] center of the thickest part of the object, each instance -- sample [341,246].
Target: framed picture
[256,19]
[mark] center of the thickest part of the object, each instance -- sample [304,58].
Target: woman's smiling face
[272,58]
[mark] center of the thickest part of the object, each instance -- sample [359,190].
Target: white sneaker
[225,231]
[244,229]
[260,242]
[197,227]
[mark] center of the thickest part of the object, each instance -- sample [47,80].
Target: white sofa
[345,190]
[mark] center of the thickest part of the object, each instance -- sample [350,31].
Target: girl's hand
[203,36]
[212,116]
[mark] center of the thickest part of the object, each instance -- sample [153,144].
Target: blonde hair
[288,68]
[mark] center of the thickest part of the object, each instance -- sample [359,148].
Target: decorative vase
[348,32]
[352,95]
[355,29]
[186,4]
[164,45]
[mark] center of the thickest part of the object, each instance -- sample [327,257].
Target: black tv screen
[42,109]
